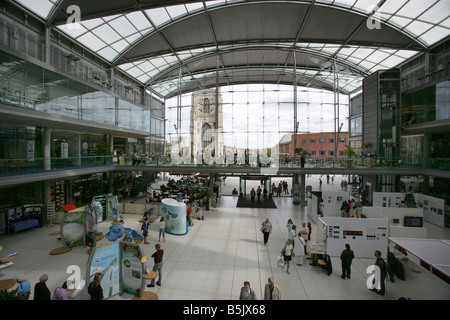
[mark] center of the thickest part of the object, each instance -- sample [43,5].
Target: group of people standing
[41,291]
[349,209]
[282,187]
[296,244]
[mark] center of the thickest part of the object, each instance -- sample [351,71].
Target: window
[312,141]
[342,140]
[206,106]
[331,140]
[331,152]
[304,143]
[322,140]
[322,152]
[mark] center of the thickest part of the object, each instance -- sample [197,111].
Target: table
[7,284]
[11,256]
[147,295]
[315,249]
[151,276]
[60,250]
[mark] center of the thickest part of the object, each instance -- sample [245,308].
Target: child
[145,230]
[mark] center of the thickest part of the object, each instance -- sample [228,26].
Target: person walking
[252,195]
[304,231]
[289,225]
[144,229]
[158,258]
[293,234]
[299,249]
[247,293]
[279,189]
[258,193]
[95,289]
[380,263]
[162,229]
[287,252]
[266,229]
[41,291]
[272,291]
[321,206]
[346,257]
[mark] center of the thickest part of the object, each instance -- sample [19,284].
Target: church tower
[205,140]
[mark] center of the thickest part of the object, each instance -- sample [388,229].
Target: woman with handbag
[288,252]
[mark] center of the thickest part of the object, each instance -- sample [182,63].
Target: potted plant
[303,153]
[350,154]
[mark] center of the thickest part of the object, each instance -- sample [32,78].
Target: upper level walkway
[21,173]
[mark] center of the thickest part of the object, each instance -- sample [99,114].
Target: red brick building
[319,144]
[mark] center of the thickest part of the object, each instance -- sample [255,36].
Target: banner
[106,261]
[72,228]
[132,269]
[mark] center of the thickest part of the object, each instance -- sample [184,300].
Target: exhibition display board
[433,208]
[121,268]
[174,213]
[363,235]
[72,228]
[433,254]
[110,206]
[332,201]
[21,218]
[403,222]
[92,214]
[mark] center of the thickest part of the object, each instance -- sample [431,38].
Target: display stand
[51,213]
[121,268]
[363,235]
[174,213]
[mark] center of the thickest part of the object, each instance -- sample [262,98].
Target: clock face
[85,145]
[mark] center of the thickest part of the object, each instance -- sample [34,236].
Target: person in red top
[158,258]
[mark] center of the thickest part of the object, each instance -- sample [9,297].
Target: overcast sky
[266,115]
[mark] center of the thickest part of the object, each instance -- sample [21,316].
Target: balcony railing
[27,166]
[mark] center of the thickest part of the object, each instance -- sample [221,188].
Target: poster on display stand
[132,269]
[112,205]
[91,214]
[105,260]
[102,201]
[121,268]
[72,228]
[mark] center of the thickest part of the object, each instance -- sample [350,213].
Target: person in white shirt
[287,251]
[304,231]
[162,229]
[299,251]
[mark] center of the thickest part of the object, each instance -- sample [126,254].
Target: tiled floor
[218,254]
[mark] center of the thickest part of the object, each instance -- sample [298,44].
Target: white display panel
[363,235]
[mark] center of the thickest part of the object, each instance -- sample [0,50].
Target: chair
[322,262]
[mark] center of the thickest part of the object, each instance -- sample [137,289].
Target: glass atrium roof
[182,47]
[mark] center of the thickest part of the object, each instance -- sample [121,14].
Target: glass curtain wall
[258,116]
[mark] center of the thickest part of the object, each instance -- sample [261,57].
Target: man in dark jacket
[346,261]
[41,291]
[380,263]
